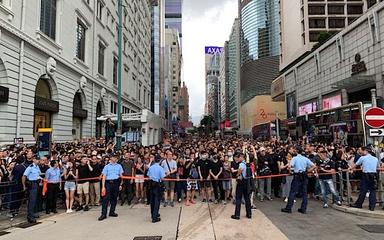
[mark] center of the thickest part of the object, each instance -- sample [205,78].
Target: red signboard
[374,117]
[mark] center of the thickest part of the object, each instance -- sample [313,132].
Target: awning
[355,83]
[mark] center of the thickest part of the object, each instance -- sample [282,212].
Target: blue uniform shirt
[300,163]
[112,171]
[369,163]
[243,166]
[32,173]
[53,175]
[156,173]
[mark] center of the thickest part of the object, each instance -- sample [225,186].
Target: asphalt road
[318,223]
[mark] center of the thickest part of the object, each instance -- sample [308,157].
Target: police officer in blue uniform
[31,180]
[111,184]
[300,166]
[242,187]
[369,164]
[156,174]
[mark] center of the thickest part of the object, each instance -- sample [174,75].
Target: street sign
[374,117]
[376,132]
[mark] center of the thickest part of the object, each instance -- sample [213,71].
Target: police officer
[32,175]
[300,165]
[111,184]
[242,187]
[156,174]
[368,182]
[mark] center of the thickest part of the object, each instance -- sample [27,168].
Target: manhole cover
[372,228]
[2,233]
[27,225]
[148,238]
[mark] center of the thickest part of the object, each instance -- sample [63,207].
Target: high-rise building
[234,75]
[172,42]
[259,22]
[173,15]
[184,103]
[302,22]
[212,72]
[224,84]
[61,70]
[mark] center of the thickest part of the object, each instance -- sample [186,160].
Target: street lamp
[119,74]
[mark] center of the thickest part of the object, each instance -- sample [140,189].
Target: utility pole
[277,126]
[119,73]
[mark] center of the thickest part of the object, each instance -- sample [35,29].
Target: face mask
[230,154]
[204,156]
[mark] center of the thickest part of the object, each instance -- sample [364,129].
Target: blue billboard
[213,50]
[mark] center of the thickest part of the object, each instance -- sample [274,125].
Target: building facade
[341,71]
[259,41]
[234,75]
[61,69]
[224,84]
[184,103]
[172,41]
[303,21]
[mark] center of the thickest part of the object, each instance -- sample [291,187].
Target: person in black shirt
[264,169]
[83,172]
[205,183]
[326,168]
[94,185]
[215,172]
[181,186]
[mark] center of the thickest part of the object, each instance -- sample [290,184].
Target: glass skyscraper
[173,15]
[259,29]
[259,47]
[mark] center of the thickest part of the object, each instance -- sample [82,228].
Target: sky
[205,23]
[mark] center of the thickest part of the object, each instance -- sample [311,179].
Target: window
[80,40]
[316,23]
[125,110]
[125,41]
[316,10]
[336,22]
[99,10]
[355,9]
[115,62]
[48,18]
[113,107]
[100,66]
[336,9]
[145,94]
[139,97]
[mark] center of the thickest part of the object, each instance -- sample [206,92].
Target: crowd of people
[202,168]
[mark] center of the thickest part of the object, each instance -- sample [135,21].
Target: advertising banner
[332,102]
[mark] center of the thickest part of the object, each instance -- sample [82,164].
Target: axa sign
[213,50]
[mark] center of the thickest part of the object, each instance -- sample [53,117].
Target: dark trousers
[367,184]
[127,192]
[52,192]
[16,196]
[242,191]
[32,189]
[299,185]
[155,199]
[180,188]
[218,189]
[112,192]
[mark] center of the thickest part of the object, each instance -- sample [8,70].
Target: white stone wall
[65,83]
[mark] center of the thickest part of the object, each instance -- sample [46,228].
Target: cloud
[205,23]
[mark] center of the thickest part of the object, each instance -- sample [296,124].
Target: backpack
[193,173]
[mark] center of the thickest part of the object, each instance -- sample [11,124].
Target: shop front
[44,106]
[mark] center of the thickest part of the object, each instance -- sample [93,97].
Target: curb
[359,212]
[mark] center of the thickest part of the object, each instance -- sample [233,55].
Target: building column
[344,96]
[319,102]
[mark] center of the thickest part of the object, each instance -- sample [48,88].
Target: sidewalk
[197,222]
[364,212]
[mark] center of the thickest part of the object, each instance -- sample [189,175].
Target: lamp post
[119,74]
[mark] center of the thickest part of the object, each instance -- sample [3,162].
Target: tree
[323,37]
[207,123]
